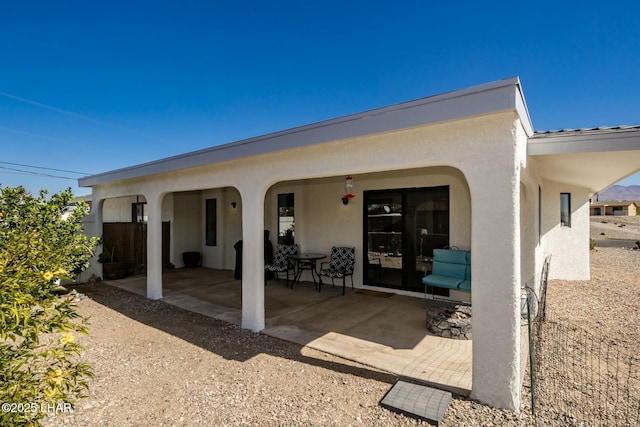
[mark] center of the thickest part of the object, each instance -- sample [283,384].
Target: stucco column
[495,260]
[97,209]
[97,206]
[252,258]
[154,246]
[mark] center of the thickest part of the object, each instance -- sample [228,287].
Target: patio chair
[281,261]
[340,265]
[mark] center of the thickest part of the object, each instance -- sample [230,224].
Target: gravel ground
[160,365]
[608,304]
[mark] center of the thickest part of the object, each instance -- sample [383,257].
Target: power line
[42,167]
[24,172]
[7,171]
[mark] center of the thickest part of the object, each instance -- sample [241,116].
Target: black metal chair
[340,265]
[282,262]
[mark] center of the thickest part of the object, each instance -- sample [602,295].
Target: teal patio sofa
[451,270]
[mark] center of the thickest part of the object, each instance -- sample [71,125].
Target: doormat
[371,293]
[417,401]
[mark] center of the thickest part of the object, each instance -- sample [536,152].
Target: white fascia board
[523,111]
[590,142]
[502,95]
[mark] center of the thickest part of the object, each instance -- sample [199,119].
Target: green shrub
[39,355]
[592,244]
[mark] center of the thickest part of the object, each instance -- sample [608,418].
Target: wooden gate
[127,241]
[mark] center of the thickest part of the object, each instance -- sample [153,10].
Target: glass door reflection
[384,235]
[402,228]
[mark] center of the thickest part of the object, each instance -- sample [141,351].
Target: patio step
[417,401]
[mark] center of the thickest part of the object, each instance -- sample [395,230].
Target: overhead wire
[26,172]
[42,167]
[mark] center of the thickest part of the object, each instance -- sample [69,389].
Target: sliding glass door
[402,228]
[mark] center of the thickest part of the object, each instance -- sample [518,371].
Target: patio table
[306,261]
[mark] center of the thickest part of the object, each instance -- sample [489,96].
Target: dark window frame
[565,210]
[138,215]
[285,206]
[211,222]
[539,214]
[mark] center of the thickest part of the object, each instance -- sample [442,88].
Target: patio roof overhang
[489,98]
[592,158]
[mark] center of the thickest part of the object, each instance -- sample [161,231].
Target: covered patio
[383,330]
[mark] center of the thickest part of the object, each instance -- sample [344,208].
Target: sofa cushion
[441,281]
[465,285]
[450,256]
[449,269]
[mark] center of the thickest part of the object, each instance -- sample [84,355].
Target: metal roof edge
[580,131]
[523,110]
[617,138]
[393,117]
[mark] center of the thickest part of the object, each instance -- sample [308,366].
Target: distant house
[463,168]
[613,208]
[72,204]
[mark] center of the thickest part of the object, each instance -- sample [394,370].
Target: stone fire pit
[449,321]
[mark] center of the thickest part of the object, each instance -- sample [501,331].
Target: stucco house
[465,166]
[613,208]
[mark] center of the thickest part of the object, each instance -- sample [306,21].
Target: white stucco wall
[494,182]
[528,234]
[119,209]
[187,231]
[568,246]
[91,230]
[229,229]
[540,213]
[531,252]
[167,208]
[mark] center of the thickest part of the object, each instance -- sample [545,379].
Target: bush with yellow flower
[39,356]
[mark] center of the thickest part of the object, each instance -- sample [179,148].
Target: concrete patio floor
[382,330]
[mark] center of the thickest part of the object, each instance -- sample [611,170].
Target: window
[139,212]
[565,209]
[211,222]
[286,223]
[539,214]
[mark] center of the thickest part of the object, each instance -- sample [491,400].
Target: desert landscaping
[615,231]
[156,364]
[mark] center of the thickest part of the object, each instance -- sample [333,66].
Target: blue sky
[95,86]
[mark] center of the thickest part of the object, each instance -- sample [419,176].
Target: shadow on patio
[378,329]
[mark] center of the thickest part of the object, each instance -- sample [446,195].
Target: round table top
[308,256]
